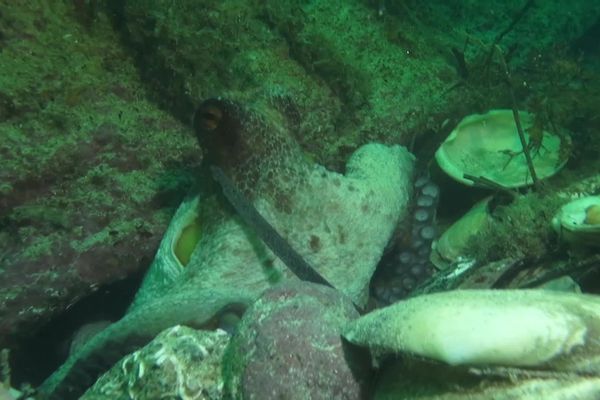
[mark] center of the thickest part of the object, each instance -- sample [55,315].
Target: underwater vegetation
[241,199]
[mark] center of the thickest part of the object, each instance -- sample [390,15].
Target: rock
[309,59]
[83,194]
[288,346]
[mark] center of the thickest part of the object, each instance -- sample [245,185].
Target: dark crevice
[36,357]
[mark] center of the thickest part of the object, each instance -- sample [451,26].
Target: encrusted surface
[180,363]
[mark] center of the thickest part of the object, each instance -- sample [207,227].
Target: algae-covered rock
[288,346]
[91,170]
[340,66]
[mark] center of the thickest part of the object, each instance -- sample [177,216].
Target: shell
[485,344]
[488,145]
[510,328]
[578,221]
[180,362]
[452,244]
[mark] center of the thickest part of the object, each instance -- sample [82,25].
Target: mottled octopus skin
[339,223]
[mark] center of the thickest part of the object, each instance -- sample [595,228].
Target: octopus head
[218,125]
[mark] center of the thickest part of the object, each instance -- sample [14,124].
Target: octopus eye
[210,118]
[218,127]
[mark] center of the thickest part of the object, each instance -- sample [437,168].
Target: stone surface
[288,346]
[349,73]
[91,171]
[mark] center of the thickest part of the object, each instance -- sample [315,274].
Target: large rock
[91,171]
[288,346]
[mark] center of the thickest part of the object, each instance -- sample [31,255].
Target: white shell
[512,328]
[574,223]
[488,145]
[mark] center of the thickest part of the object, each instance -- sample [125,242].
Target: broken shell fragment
[453,244]
[511,328]
[578,221]
[488,146]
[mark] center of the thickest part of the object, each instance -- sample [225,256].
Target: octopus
[211,262]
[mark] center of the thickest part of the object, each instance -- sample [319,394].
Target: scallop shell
[488,145]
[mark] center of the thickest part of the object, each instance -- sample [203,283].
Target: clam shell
[578,221]
[510,328]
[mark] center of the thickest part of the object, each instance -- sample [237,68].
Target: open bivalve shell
[488,146]
[578,221]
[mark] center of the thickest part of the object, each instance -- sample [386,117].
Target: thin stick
[486,183]
[592,262]
[515,112]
